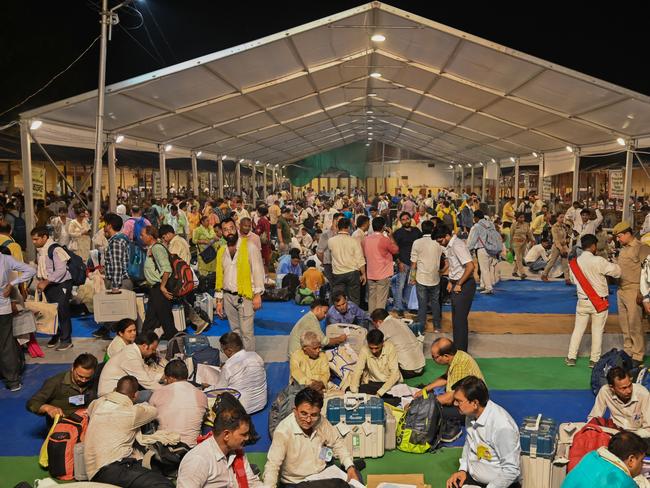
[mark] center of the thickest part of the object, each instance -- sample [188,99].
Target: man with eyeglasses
[461,286]
[491,454]
[304,444]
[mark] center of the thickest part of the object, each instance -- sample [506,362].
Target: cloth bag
[46,314]
[24,322]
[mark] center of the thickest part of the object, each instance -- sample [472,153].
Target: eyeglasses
[307,415]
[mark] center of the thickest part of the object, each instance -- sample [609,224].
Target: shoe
[64,346]
[515,274]
[400,314]
[487,292]
[52,342]
[201,328]
[480,289]
[102,333]
[570,362]
[18,387]
[543,277]
[592,364]
[451,431]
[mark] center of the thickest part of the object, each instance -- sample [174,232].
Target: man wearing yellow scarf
[240,283]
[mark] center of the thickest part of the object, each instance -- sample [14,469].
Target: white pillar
[264,192]
[253,183]
[627,187]
[219,178]
[516,189]
[28,191]
[112,182]
[540,180]
[462,179]
[483,182]
[274,181]
[195,175]
[238,178]
[472,180]
[575,189]
[163,171]
[497,189]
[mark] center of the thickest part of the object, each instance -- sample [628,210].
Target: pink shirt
[379,251]
[127,228]
[181,407]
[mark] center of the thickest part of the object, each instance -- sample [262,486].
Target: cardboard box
[374,480]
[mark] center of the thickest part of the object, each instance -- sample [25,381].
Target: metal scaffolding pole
[219,178]
[497,189]
[472,180]
[575,188]
[462,179]
[274,181]
[163,171]
[195,176]
[28,191]
[627,187]
[483,179]
[238,178]
[264,190]
[112,182]
[516,188]
[540,179]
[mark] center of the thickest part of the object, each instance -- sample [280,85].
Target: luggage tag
[325,454]
[77,400]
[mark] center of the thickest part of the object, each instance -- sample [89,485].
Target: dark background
[40,38]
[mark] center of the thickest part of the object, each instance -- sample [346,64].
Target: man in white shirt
[425,275]
[348,263]
[585,224]
[243,371]
[130,361]
[628,402]
[592,298]
[462,286]
[303,444]
[239,305]
[219,461]
[181,406]
[537,257]
[573,214]
[410,353]
[363,224]
[491,454]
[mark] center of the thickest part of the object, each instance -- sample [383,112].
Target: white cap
[121,210]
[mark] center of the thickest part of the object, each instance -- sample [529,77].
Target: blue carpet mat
[27,431]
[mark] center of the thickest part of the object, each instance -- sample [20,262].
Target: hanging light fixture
[119,138]
[35,124]
[378,38]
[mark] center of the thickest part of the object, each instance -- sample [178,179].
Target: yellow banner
[38,182]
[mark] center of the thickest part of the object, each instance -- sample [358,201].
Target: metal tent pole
[627,187]
[220,177]
[195,176]
[28,191]
[497,189]
[162,162]
[516,188]
[483,178]
[238,178]
[112,183]
[540,180]
[471,190]
[264,190]
[575,189]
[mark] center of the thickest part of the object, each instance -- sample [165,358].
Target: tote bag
[46,314]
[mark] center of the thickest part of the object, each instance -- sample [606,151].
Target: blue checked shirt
[117,260]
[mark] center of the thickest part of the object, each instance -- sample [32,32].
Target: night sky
[40,38]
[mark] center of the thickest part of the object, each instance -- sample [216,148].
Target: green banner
[351,158]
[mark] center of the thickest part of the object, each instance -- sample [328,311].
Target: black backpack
[227,400]
[291,282]
[165,459]
[75,264]
[19,232]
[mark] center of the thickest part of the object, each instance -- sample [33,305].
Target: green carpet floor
[521,374]
[436,467]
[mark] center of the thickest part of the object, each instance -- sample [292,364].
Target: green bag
[510,257]
[420,428]
[304,296]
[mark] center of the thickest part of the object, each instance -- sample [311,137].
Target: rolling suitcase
[113,307]
[361,421]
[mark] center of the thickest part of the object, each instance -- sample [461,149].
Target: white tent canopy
[439,91]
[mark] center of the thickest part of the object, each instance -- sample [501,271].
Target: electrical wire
[153,17]
[53,78]
[158,60]
[153,44]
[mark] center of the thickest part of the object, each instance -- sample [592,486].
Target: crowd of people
[355,260]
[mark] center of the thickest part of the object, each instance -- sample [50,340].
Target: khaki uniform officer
[559,250]
[630,259]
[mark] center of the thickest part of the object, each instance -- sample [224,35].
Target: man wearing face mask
[239,283]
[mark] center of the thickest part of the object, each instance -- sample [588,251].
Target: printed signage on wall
[38,182]
[547,188]
[616,183]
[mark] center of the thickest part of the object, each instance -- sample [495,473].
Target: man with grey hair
[308,365]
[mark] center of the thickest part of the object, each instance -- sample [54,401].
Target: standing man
[476,242]
[323,251]
[560,249]
[425,275]
[348,263]
[239,283]
[55,281]
[405,236]
[379,249]
[630,259]
[461,286]
[589,272]
[520,236]
[284,230]
[274,215]
[508,211]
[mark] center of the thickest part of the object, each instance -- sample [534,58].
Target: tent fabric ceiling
[442,93]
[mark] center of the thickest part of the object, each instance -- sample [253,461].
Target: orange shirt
[313,279]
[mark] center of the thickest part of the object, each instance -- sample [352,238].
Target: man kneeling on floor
[68,391]
[308,366]
[114,421]
[628,403]
[304,444]
[612,467]
[409,350]
[377,369]
[491,452]
[219,461]
[459,365]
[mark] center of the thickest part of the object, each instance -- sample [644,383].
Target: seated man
[303,444]
[130,361]
[628,403]
[113,423]
[538,255]
[309,366]
[491,451]
[219,460]
[181,406]
[290,263]
[312,278]
[346,312]
[410,355]
[243,371]
[311,321]
[612,467]
[66,392]
[377,369]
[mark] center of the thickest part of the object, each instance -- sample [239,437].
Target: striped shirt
[462,366]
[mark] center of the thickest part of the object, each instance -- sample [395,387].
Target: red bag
[589,438]
[181,280]
[60,444]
